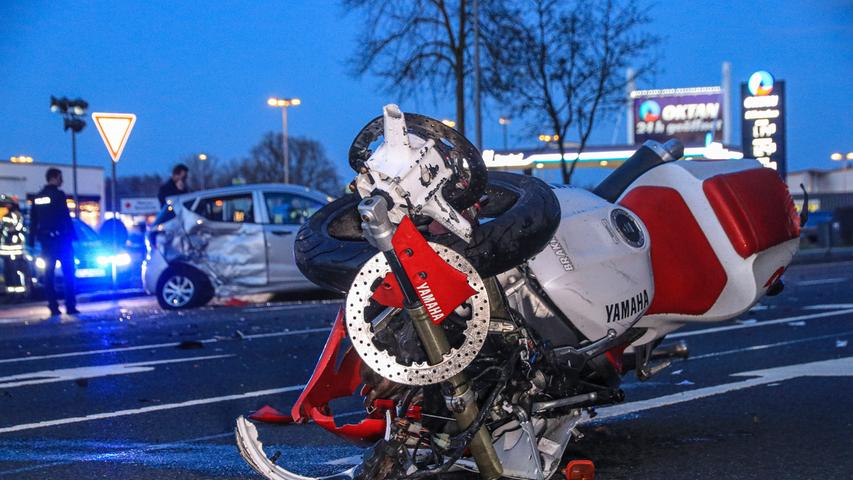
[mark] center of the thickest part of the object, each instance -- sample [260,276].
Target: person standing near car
[50,224]
[175,185]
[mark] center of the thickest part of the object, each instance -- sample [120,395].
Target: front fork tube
[378,230]
[461,400]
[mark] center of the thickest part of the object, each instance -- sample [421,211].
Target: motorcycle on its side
[487,312]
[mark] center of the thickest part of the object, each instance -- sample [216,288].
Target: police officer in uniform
[50,224]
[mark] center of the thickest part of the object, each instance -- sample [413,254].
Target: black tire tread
[525,215]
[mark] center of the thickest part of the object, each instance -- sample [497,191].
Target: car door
[227,240]
[286,212]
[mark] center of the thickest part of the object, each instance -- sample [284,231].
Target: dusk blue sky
[198,74]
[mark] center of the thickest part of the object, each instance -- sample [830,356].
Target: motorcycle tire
[518,217]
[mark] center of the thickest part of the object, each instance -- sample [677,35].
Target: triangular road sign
[114,129]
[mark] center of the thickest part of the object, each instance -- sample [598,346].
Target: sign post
[114,129]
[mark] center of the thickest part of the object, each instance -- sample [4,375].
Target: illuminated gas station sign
[694,116]
[763,120]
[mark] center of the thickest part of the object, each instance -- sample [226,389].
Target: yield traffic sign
[114,129]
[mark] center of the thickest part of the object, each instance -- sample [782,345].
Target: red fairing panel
[440,287]
[688,276]
[755,209]
[333,379]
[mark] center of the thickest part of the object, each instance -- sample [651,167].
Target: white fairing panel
[597,268]
[747,279]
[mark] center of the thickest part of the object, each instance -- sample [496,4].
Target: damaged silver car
[228,241]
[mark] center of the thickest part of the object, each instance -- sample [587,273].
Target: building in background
[830,205]
[22,181]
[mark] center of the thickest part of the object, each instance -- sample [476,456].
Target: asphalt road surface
[126,390]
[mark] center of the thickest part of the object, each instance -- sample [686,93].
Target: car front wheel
[180,288]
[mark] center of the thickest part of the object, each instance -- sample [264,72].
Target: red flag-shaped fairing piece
[268,414]
[440,287]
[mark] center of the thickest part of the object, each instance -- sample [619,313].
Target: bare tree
[204,173]
[417,44]
[563,64]
[309,164]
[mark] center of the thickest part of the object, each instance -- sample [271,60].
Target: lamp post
[505,121]
[202,157]
[283,103]
[72,112]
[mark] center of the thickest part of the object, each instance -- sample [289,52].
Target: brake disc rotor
[384,363]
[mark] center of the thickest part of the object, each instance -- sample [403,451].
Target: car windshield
[84,232]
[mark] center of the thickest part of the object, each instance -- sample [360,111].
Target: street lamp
[283,103]
[21,159]
[202,157]
[838,157]
[549,138]
[72,112]
[505,121]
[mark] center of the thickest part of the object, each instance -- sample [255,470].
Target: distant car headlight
[40,263]
[122,259]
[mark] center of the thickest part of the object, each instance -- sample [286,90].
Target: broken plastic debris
[797,324]
[268,414]
[840,343]
[235,302]
[685,382]
[677,372]
[748,321]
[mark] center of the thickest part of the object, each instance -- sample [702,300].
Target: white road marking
[69,374]
[726,328]
[840,367]
[273,308]
[153,408]
[152,346]
[828,306]
[753,348]
[822,281]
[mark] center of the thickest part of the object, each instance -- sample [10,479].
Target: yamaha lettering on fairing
[429,301]
[628,308]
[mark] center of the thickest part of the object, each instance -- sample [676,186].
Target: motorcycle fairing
[749,233]
[439,286]
[755,209]
[336,379]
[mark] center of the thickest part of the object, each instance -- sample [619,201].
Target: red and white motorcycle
[487,312]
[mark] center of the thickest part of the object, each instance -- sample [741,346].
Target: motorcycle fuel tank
[597,268]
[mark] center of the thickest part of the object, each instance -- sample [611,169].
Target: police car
[94,259]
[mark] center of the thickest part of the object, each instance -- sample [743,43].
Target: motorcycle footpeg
[675,350]
[649,370]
